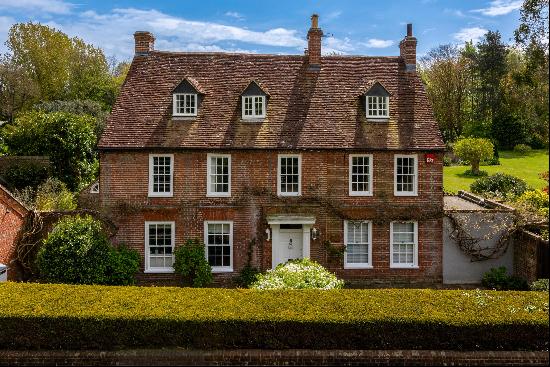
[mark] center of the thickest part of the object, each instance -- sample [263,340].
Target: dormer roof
[375,88]
[254,88]
[188,85]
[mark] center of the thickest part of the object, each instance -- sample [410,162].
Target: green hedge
[51,316]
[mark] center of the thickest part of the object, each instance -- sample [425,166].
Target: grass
[526,166]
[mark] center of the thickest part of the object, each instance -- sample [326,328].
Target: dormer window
[254,102]
[253,107]
[378,106]
[377,102]
[185,104]
[186,98]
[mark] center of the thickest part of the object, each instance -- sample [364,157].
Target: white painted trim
[306,238]
[174,104]
[415,186]
[306,246]
[371,169]
[299,193]
[219,269]
[358,265]
[274,242]
[161,194]
[367,111]
[414,265]
[290,219]
[148,269]
[209,179]
[253,116]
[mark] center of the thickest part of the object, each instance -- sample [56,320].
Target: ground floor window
[218,239]
[358,241]
[404,244]
[159,246]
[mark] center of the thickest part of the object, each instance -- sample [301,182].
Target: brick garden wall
[12,219]
[124,187]
[526,256]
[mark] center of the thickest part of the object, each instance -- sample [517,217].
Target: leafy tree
[17,89]
[63,68]
[444,71]
[68,140]
[473,150]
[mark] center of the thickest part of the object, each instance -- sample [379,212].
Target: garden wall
[531,256]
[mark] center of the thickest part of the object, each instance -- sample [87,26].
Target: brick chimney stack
[407,48]
[314,36]
[144,43]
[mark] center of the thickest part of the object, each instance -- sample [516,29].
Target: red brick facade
[12,219]
[315,106]
[325,195]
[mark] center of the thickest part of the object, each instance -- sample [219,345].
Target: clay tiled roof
[305,109]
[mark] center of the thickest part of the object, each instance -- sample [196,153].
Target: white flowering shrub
[298,274]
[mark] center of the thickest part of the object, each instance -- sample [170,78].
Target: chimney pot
[144,42]
[407,50]
[314,36]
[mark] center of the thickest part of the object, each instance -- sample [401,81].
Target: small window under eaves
[254,102]
[377,102]
[186,98]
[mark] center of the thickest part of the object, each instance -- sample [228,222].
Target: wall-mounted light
[268,234]
[314,233]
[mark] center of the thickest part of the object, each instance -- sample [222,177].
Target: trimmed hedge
[53,316]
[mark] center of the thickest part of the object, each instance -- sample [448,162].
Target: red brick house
[265,158]
[12,219]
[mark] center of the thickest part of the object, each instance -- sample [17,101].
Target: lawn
[526,166]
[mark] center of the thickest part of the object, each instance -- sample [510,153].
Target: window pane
[219,244]
[160,245]
[360,173]
[161,174]
[289,174]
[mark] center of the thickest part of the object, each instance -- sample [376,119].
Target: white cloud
[470,34]
[333,45]
[45,6]
[500,7]
[172,33]
[234,14]
[377,43]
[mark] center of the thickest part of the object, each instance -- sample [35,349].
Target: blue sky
[352,27]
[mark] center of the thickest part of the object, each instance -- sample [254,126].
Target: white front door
[289,244]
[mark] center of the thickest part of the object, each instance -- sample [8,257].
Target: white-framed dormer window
[358,242]
[378,106]
[159,247]
[161,175]
[360,174]
[218,240]
[185,104]
[289,175]
[404,244]
[406,175]
[253,107]
[219,175]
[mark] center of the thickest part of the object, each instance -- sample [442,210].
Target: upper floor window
[360,174]
[253,107]
[289,175]
[404,244]
[159,247]
[185,104]
[254,101]
[377,102]
[187,96]
[377,106]
[406,175]
[358,242]
[161,175]
[219,174]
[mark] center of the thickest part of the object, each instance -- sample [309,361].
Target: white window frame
[350,173]
[175,104]
[415,185]
[254,115]
[148,268]
[414,265]
[367,265]
[279,192]
[161,194]
[386,111]
[220,269]
[209,192]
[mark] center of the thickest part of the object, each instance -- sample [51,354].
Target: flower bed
[47,316]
